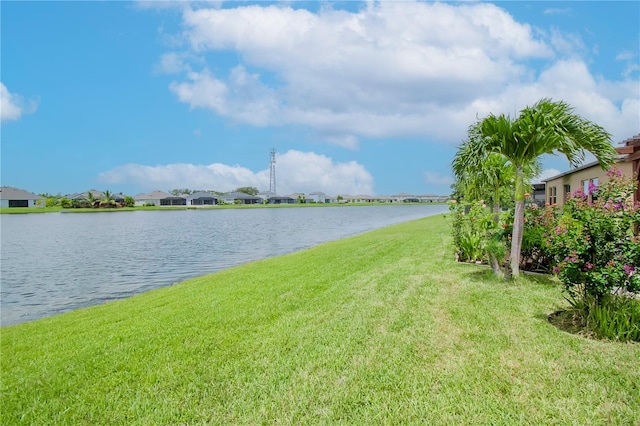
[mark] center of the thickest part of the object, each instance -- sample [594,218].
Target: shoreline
[41,210]
[382,327]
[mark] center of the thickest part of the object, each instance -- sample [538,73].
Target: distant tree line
[251,190]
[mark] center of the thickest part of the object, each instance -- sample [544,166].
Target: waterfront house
[319,197]
[281,200]
[97,195]
[363,199]
[13,197]
[559,187]
[240,198]
[431,198]
[159,198]
[202,198]
[401,197]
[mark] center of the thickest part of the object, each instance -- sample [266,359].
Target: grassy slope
[381,328]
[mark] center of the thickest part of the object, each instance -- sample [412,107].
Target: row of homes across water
[554,190]
[14,197]
[159,198]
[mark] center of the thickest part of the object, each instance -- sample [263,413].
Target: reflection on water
[55,262]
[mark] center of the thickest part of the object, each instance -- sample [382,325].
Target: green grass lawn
[381,328]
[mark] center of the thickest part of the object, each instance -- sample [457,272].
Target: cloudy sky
[356,97]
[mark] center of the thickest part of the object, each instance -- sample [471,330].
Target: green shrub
[614,317]
[476,236]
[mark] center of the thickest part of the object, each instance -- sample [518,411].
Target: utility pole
[272,174]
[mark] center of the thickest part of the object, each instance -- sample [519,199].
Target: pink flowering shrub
[595,241]
[539,224]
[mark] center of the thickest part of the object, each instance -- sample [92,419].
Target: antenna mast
[272,175]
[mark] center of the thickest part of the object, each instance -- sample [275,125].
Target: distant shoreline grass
[25,210]
[379,328]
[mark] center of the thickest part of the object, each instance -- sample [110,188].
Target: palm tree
[91,199]
[107,199]
[545,128]
[482,178]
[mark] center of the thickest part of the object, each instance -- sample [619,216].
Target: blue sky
[356,97]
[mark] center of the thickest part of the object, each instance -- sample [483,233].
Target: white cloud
[437,178]
[557,11]
[546,174]
[172,63]
[12,105]
[242,97]
[631,58]
[295,172]
[391,69]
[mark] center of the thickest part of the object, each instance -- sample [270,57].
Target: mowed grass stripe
[380,328]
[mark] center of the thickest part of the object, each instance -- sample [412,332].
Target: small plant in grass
[477,236]
[598,253]
[612,317]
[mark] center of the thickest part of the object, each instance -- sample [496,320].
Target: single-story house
[202,199]
[384,199]
[240,198]
[159,198]
[319,197]
[559,187]
[363,199]
[97,195]
[298,197]
[13,197]
[344,198]
[430,198]
[402,197]
[281,200]
[265,195]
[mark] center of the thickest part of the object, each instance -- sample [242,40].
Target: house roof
[280,197]
[155,195]
[11,193]
[202,194]
[632,141]
[623,154]
[239,196]
[577,169]
[82,195]
[98,195]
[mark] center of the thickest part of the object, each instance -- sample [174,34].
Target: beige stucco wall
[575,179]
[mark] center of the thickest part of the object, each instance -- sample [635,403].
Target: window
[589,186]
[18,203]
[553,196]
[567,191]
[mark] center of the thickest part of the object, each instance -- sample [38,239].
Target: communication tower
[272,174]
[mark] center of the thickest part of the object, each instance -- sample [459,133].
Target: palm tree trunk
[493,260]
[518,223]
[496,205]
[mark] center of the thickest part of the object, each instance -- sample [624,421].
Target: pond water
[55,262]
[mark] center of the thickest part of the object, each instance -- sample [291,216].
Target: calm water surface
[55,262]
